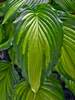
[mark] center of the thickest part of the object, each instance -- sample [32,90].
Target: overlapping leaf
[68,5]
[21,91]
[14,5]
[67,18]
[50,90]
[7,37]
[67,67]
[39,39]
[6,81]
[71,85]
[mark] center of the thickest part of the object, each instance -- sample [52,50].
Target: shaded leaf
[7,36]
[21,90]
[67,61]
[49,90]
[66,4]
[1,36]
[14,5]
[71,85]
[6,81]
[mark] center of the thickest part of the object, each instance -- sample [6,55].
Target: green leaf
[6,81]
[53,86]
[30,95]
[71,85]
[1,35]
[21,90]
[6,45]
[49,90]
[14,5]
[38,41]
[67,5]
[12,9]
[7,36]
[68,54]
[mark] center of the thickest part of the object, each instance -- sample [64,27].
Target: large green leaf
[39,40]
[6,81]
[67,66]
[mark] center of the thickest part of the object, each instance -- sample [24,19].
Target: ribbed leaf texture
[50,90]
[67,66]
[6,81]
[39,37]
[37,43]
[71,85]
[13,5]
[39,40]
[21,91]
[68,5]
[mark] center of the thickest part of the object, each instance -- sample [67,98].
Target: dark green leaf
[6,81]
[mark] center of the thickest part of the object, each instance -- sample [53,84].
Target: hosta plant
[39,36]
